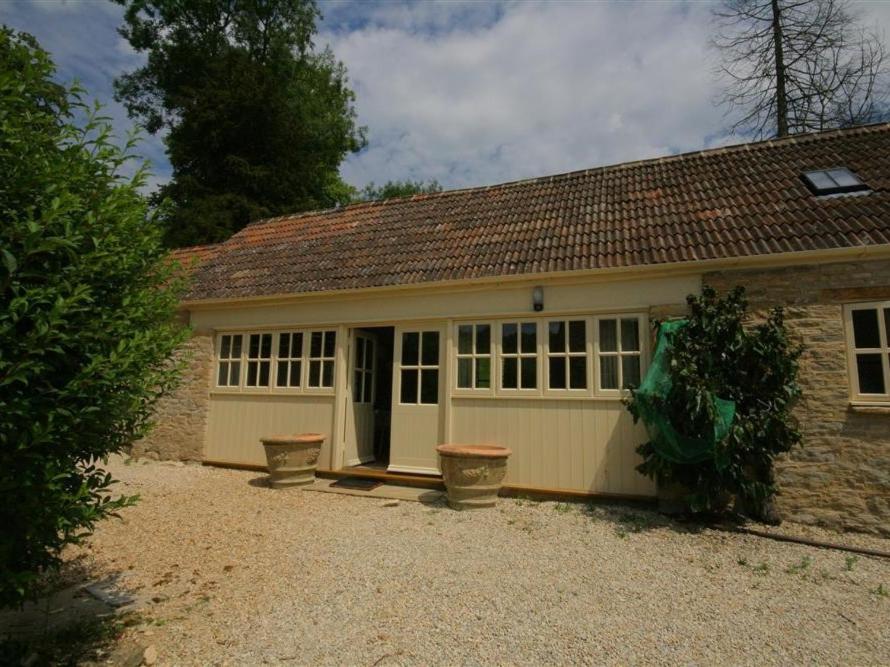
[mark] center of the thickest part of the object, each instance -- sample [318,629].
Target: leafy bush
[87,311]
[755,366]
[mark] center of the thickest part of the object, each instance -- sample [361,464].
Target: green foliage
[394,189]
[257,122]
[756,366]
[86,315]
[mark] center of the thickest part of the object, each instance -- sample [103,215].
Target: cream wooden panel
[573,445]
[507,300]
[416,428]
[238,421]
[359,433]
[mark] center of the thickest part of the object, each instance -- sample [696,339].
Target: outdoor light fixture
[538,298]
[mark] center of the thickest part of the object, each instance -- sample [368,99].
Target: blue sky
[470,93]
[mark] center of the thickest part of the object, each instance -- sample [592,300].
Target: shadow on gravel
[68,625]
[261,482]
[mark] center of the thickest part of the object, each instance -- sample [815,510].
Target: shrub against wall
[756,366]
[86,315]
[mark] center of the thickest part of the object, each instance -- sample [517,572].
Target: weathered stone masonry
[841,476]
[181,417]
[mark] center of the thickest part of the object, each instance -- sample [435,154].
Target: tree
[716,355]
[257,122]
[87,308]
[793,66]
[393,189]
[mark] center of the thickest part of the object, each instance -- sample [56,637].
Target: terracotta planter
[292,458]
[473,474]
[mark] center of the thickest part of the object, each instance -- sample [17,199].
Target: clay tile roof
[725,203]
[192,257]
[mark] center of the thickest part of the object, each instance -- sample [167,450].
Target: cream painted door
[418,390]
[359,446]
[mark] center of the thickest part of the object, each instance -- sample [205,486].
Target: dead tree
[791,66]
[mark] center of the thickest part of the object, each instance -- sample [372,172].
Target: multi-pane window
[259,360]
[290,359]
[567,354]
[229,370]
[474,356]
[870,350]
[363,385]
[419,370]
[322,345]
[619,352]
[519,355]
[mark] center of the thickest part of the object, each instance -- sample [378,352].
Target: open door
[418,388]
[359,445]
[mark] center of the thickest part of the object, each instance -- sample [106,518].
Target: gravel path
[235,573]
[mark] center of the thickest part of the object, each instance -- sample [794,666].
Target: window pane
[608,335]
[327,374]
[577,336]
[281,378]
[266,349]
[369,354]
[865,328]
[508,338]
[609,372]
[225,346]
[360,353]
[529,373]
[283,345]
[556,336]
[630,369]
[315,345]
[578,373]
[508,376]
[429,385]
[871,374]
[529,337]
[557,372]
[483,339]
[465,373]
[430,352]
[483,373]
[887,326]
[330,341]
[236,347]
[295,368]
[253,350]
[357,386]
[265,367]
[223,375]
[234,373]
[630,335]
[314,373]
[409,386]
[369,386]
[251,373]
[844,178]
[465,339]
[410,347]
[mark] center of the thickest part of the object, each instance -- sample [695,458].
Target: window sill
[870,408]
[254,392]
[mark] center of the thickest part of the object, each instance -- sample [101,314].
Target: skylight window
[833,181]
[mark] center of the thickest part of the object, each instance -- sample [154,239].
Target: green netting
[651,397]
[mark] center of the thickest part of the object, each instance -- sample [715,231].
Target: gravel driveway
[232,572]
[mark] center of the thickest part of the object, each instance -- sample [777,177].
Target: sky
[470,93]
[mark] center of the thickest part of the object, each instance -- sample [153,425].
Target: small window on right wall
[619,352]
[868,328]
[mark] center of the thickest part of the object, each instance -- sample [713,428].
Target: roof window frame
[837,189]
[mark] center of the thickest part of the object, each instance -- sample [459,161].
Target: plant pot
[292,459]
[473,474]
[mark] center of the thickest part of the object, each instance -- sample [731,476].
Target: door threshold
[421,481]
[399,491]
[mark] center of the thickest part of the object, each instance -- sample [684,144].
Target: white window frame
[457,390]
[259,361]
[643,353]
[290,359]
[308,387]
[420,366]
[587,354]
[852,351]
[219,360]
[507,392]
[365,370]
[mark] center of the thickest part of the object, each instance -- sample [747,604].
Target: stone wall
[181,417]
[841,476]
